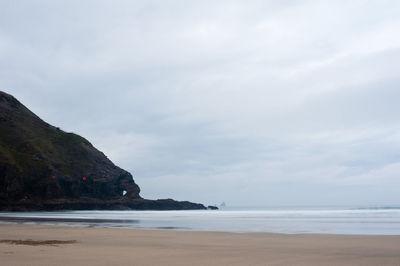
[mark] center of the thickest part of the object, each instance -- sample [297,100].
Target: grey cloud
[241,101]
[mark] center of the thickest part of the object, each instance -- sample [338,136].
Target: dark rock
[210,207]
[45,168]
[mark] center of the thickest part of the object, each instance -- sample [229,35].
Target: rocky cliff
[45,168]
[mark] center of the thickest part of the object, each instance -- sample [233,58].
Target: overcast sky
[247,102]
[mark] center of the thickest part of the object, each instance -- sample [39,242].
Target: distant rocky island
[45,168]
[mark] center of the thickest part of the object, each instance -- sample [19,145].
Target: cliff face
[43,167]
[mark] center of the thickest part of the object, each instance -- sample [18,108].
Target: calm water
[371,221]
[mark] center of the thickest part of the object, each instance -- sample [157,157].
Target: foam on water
[370,220]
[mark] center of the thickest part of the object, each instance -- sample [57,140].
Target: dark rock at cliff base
[45,168]
[98,204]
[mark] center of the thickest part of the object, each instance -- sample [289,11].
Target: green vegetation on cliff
[43,167]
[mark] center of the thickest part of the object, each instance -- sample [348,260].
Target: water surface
[367,221]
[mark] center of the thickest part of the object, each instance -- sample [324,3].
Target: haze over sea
[365,220]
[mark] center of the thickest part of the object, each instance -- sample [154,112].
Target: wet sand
[56,245]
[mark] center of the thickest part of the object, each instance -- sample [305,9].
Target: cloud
[231,101]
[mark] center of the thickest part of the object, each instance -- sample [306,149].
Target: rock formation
[45,168]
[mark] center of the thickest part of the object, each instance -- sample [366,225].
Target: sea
[372,220]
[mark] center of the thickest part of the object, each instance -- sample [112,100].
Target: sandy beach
[55,245]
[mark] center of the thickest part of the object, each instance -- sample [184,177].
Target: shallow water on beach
[366,221]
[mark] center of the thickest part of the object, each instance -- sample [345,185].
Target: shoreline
[25,244]
[344,222]
[175,229]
